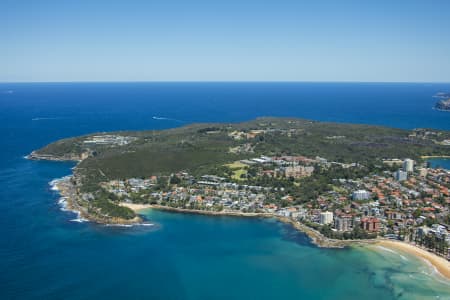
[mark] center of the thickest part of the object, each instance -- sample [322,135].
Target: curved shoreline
[316,237]
[440,264]
[65,189]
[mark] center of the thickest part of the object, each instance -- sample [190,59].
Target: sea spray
[62,201]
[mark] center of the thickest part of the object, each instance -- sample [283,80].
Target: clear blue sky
[237,40]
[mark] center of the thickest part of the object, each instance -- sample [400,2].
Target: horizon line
[220,81]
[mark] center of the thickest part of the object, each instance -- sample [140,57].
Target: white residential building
[408,165]
[401,175]
[326,218]
[361,195]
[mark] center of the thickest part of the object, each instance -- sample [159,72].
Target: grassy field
[238,170]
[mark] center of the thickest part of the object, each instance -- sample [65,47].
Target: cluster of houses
[208,192]
[381,203]
[286,166]
[385,204]
[109,139]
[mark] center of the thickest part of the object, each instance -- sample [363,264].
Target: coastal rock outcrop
[443,105]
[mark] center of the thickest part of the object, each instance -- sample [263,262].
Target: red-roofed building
[370,224]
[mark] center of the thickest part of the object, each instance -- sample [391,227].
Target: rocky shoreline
[70,157]
[68,192]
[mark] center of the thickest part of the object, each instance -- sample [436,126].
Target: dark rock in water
[443,105]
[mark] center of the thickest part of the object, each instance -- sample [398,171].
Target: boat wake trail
[166,119]
[46,118]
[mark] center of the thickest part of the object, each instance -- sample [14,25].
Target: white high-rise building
[361,195]
[401,175]
[326,218]
[408,165]
[343,223]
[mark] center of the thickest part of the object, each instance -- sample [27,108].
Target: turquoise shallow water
[277,261]
[45,255]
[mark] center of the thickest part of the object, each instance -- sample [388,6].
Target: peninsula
[337,182]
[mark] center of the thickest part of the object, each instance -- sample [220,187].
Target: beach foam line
[432,268]
[387,249]
[439,266]
[434,272]
[393,252]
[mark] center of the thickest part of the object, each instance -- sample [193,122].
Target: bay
[46,255]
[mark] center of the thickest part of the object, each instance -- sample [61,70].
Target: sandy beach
[441,264]
[135,207]
[138,207]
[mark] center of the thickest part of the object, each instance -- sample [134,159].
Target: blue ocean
[45,254]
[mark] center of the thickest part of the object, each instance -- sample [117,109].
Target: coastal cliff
[36,155]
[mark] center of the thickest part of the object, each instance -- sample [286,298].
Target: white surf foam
[79,220]
[62,202]
[118,225]
[393,252]
[387,249]
[404,258]
[54,183]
